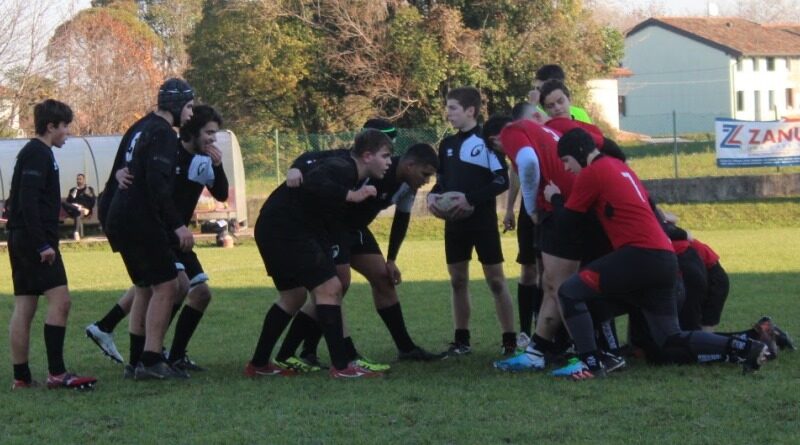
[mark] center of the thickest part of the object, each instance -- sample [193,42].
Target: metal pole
[675,142]
[277,158]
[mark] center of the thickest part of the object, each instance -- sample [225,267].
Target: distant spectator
[80,203]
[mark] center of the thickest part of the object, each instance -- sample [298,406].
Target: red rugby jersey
[544,141]
[610,188]
[709,257]
[564,124]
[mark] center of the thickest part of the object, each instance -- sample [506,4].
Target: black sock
[136,349]
[510,339]
[562,340]
[350,349]
[275,323]
[591,359]
[112,319]
[392,317]
[184,329]
[462,336]
[150,358]
[330,321]
[301,325]
[542,344]
[22,372]
[525,299]
[54,343]
[311,341]
[175,308]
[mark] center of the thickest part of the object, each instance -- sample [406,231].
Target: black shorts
[297,262]
[527,238]
[355,242]
[29,275]
[458,246]
[642,277]
[190,264]
[718,287]
[148,264]
[556,243]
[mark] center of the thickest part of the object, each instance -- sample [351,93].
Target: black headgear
[576,143]
[383,125]
[173,95]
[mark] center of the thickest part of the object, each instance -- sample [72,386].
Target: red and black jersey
[709,257]
[564,124]
[680,246]
[544,141]
[614,192]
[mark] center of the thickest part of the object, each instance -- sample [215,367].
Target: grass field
[456,402]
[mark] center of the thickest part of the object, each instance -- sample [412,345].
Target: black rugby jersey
[467,165]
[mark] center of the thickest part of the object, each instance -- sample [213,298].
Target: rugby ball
[446,202]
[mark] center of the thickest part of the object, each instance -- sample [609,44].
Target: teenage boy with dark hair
[555,72]
[36,264]
[198,166]
[79,204]
[468,166]
[360,250]
[641,270]
[142,221]
[294,232]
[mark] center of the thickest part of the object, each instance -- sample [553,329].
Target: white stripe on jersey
[474,151]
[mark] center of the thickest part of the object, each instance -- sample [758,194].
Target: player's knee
[458,281]
[497,285]
[200,295]
[572,295]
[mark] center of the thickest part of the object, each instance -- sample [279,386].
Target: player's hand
[294,178]
[509,222]
[124,178]
[394,272]
[461,207]
[48,256]
[431,201]
[549,190]
[214,153]
[185,238]
[361,194]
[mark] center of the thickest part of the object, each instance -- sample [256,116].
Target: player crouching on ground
[641,270]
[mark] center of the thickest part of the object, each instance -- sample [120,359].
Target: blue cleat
[530,360]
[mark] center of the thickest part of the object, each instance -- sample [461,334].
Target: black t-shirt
[35,195]
[85,197]
[467,165]
[187,192]
[390,190]
[315,209]
[146,208]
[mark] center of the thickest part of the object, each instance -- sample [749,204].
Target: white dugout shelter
[94,157]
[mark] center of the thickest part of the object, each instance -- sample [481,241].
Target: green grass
[695,159]
[461,401]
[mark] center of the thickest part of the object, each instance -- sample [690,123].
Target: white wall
[672,72]
[751,75]
[604,97]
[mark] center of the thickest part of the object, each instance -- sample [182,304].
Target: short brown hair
[466,97]
[371,140]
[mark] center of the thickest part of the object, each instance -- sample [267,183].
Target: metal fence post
[277,158]
[675,141]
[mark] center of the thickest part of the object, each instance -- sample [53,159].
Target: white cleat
[104,341]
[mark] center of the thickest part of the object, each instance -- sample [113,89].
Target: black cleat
[611,362]
[159,371]
[754,356]
[187,364]
[418,355]
[456,350]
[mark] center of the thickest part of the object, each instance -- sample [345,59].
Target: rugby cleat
[456,350]
[523,340]
[186,364]
[754,356]
[313,360]
[159,371]
[418,355]
[782,339]
[577,370]
[371,365]
[297,365]
[104,341]
[22,384]
[530,360]
[353,371]
[612,362]
[67,380]
[128,372]
[267,370]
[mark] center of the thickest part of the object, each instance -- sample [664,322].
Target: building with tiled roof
[708,67]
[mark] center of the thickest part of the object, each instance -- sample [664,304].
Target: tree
[779,11]
[107,67]
[173,21]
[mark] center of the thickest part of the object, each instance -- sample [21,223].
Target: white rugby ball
[446,202]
